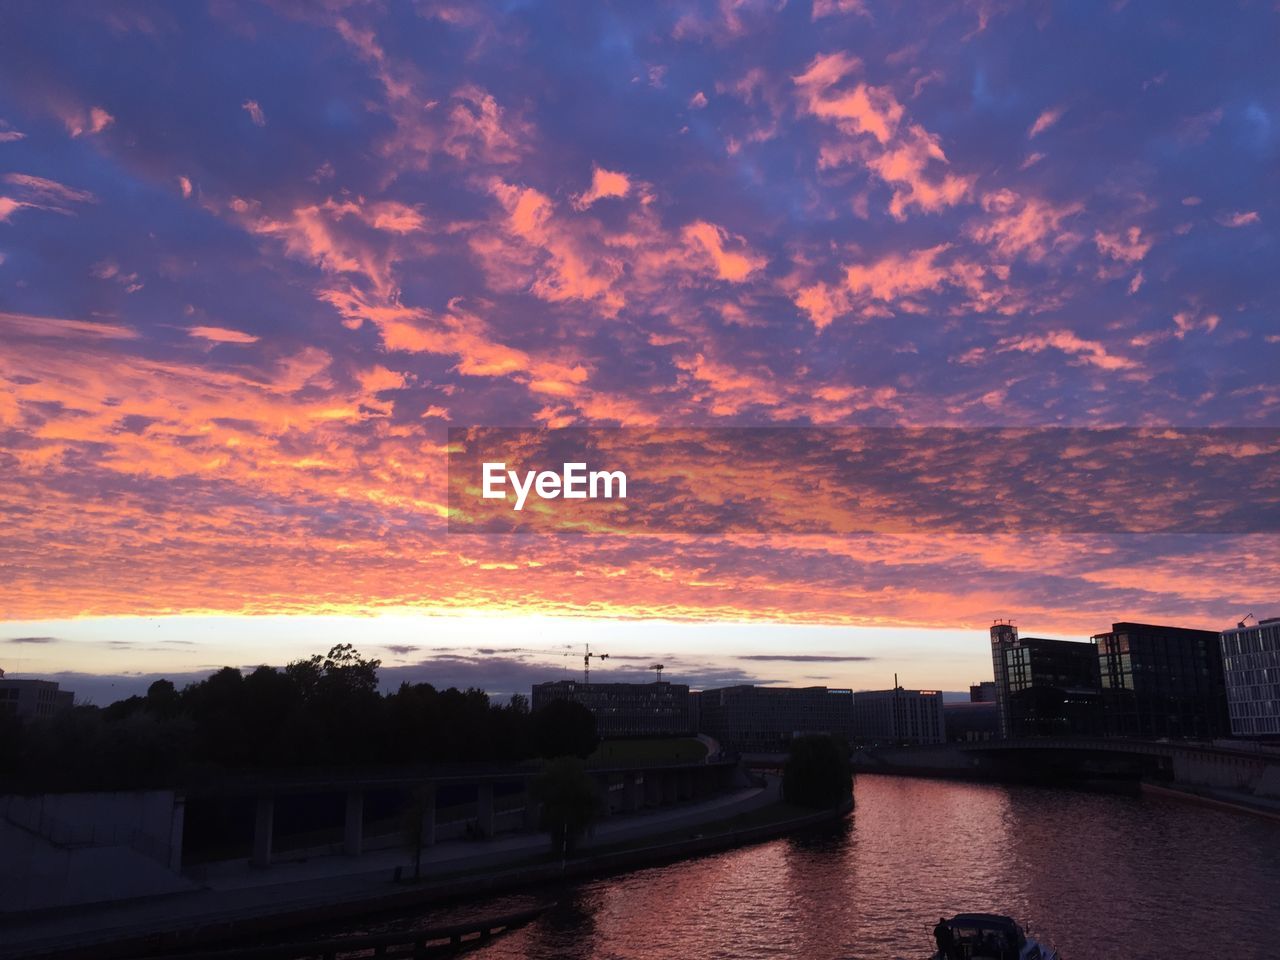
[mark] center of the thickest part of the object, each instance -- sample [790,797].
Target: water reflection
[1102,876]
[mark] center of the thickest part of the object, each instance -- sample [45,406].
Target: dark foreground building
[1159,681]
[1053,688]
[1044,687]
[626,709]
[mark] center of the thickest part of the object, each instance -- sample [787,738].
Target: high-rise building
[626,709]
[1161,681]
[1003,635]
[1251,669]
[32,699]
[765,719]
[898,716]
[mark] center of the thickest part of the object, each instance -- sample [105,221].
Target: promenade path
[234,891]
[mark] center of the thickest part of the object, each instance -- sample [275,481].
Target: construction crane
[1240,625]
[586,663]
[658,667]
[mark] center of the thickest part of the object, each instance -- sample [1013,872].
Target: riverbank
[1233,802]
[312,893]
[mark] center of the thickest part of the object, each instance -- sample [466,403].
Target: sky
[257,259]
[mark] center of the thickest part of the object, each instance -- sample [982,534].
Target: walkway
[235,891]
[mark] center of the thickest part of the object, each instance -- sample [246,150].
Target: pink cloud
[27,325]
[904,155]
[479,130]
[221,335]
[80,122]
[1017,225]
[1129,246]
[48,191]
[1240,218]
[1043,122]
[255,113]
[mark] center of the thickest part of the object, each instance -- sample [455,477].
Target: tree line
[321,711]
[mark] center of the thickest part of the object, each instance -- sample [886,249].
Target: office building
[765,719]
[1251,671]
[32,699]
[1160,681]
[1051,688]
[1042,687]
[626,709]
[984,692]
[970,720]
[898,716]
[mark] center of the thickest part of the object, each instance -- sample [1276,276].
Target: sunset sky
[257,259]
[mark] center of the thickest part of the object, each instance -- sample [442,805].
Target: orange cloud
[1087,351]
[732,265]
[604,183]
[1017,225]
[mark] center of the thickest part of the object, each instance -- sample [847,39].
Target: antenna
[659,668]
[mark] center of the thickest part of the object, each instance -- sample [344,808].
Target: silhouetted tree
[570,800]
[421,803]
[564,728]
[817,772]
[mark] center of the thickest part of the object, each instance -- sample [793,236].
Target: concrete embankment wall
[70,849]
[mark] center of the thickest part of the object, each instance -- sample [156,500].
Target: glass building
[1160,681]
[1251,667]
[1051,688]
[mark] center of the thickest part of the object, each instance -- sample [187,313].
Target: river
[1098,875]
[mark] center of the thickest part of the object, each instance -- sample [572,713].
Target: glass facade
[1051,688]
[1251,666]
[1160,681]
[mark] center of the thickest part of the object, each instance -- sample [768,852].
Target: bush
[817,773]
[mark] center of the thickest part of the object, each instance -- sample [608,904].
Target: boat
[988,936]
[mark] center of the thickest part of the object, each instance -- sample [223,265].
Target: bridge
[1249,769]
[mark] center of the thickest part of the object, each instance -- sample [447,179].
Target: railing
[409,943]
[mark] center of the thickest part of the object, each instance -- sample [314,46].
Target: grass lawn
[664,750]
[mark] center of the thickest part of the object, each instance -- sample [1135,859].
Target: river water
[1098,875]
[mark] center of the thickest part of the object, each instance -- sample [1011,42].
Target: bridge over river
[1229,770]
